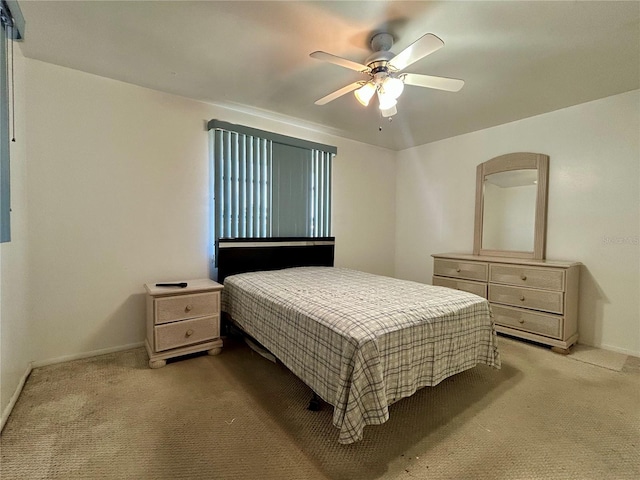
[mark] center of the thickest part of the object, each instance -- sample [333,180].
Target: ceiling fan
[385,71]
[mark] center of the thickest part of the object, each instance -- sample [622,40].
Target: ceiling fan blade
[440,83]
[422,47]
[338,93]
[343,62]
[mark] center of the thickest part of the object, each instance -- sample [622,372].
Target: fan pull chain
[380,126]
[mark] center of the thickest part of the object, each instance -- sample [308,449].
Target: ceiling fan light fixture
[386,101]
[393,86]
[386,72]
[364,93]
[389,112]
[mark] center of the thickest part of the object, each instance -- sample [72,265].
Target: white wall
[16,326]
[118,188]
[593,214]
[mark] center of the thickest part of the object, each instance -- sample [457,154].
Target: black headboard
[240,255]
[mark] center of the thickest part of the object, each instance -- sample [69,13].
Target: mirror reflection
[509,210]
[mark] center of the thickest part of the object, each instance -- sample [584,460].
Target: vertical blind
[242,191]
[269,185]
[5,195]
[11,28]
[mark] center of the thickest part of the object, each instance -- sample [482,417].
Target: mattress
[361,341]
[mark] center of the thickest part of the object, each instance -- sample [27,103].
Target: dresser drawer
[170,309]
[545,278]
[547,325]
[546,300]
[476,288]
[186,332]
[465,270]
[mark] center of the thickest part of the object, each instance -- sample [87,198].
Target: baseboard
[14,397]
[79,356]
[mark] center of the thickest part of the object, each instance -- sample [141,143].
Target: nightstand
[182,320]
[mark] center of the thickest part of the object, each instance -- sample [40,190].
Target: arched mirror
[511,206]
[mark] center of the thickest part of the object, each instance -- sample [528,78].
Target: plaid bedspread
[361,341]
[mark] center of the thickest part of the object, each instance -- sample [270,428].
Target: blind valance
[274,137]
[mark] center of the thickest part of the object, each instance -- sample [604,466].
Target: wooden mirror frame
[505,163]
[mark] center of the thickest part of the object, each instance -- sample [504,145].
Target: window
[12,26]
[269,185]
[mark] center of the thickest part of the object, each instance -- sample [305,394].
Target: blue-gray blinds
[12,28]
[269,185]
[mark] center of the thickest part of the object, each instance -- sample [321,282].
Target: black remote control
[180,284]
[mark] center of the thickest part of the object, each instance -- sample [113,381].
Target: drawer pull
[523,277]
[522,298]
[458,269]
[189,333]
[521,320]
[188,308]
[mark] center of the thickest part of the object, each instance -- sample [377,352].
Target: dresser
[182,320]
[532,299]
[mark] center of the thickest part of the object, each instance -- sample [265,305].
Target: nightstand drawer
[476,288]
[528,321]
[170,309]
[465,270]
[187,332]
[546,300]
[545,278]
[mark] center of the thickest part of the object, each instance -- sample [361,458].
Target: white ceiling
[517,58]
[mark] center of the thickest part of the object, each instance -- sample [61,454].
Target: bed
[360,341]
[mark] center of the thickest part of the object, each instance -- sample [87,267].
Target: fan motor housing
[381,41]
[378,57]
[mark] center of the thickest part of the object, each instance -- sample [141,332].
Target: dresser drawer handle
[458,269]
[189,333]
[523,277]
[521,320]
[188,308]
[522,298]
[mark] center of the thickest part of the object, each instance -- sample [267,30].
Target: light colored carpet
[597,356]
[239,416]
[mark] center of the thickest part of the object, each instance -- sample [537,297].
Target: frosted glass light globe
[386,101]
[393,86]
[364,93]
